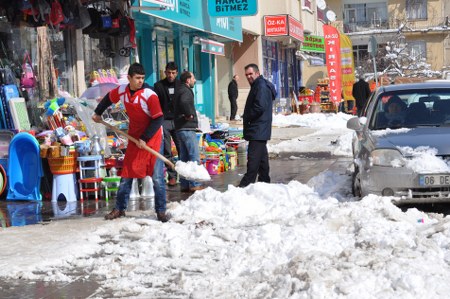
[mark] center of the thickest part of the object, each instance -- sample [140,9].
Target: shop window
[98,54]
[185,61]
[197,63]
[165,53]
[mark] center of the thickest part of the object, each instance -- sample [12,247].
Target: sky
[291,240]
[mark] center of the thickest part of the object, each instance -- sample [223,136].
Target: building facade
[419,30]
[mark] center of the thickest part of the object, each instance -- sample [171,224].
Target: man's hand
[96,118]
[141,144]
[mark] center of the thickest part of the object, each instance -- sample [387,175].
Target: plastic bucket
[212,166]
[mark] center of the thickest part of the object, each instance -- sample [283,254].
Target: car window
[411,108]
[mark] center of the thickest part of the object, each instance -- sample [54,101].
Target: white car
[397,122]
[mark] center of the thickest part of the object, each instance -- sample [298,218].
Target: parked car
[397,121]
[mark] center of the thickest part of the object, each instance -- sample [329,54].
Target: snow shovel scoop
[189,170]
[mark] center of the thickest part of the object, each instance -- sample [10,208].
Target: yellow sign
[347,66]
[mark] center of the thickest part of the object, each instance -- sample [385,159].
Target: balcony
[437,24]
[378,24]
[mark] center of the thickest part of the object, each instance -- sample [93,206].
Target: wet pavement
[283,170]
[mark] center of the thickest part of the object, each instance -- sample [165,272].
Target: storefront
[186,34]
[63,49]
[282,36]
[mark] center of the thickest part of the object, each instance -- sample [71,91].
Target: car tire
[356,183]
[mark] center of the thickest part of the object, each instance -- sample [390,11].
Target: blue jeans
[159,186]
[188,152]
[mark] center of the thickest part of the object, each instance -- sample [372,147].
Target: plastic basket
[64,165]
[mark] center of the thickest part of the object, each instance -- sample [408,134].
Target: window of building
[417,50]
[416,9]
[307,4]
[321,15]
[366,13]
[269,58]
[360,54]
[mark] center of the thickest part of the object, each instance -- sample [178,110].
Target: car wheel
[356,183]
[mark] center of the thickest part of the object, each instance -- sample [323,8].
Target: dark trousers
[169,132]
[257,163]
[233,103]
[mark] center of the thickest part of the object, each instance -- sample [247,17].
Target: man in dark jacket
[257,125]
[186,124]
[165,89]
[233,95]
[361,92]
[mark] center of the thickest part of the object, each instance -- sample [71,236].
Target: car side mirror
[354,124]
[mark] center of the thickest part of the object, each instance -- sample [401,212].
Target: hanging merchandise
[56,13]
[132,32]
[44,9]
[28,79]
[46,70]
[84,19]
[120,25]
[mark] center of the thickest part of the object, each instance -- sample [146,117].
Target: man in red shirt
[146,118]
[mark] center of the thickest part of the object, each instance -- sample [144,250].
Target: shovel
[147,148]
[191,173]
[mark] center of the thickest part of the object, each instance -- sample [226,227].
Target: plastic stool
[64,185]
[111,185]
[86,182]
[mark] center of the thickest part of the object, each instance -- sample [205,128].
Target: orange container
[64,165]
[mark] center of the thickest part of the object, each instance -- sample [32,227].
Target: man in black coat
[186,124]
[257,120]
[361,92]
[233,95]
[165,89]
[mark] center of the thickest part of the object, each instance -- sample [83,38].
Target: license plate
[434,180]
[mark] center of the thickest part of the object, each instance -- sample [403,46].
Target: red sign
[333,59]
[295,29]
[275,25]
[282,25]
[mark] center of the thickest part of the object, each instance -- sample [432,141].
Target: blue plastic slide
[24,169]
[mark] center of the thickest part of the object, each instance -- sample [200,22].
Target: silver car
[397,120]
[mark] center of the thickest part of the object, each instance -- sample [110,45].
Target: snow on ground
[332,134]
[264,241]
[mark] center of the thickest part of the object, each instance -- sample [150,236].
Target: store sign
[295,29]
[333,59]
[158,2]
[275,25]
[193,14]
[232,8]
[212,47]
[313,43]
[283,25]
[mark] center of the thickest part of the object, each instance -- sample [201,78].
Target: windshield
[411,108]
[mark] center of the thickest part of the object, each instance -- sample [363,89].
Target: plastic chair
[89,183]
[111,185]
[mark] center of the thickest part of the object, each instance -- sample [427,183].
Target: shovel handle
[147,148]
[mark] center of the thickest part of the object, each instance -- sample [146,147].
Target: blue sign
[228,8]
[190,13]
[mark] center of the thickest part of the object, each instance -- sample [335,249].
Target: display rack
[323,94]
